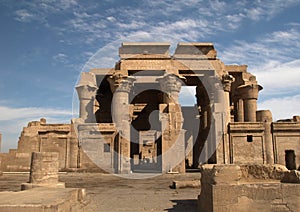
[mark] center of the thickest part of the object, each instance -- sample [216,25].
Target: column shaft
[121,117]
[240,112]
[250,107]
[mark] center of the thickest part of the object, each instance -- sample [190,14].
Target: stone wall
[286,138]
[248,143]
[225,188]
[60,138]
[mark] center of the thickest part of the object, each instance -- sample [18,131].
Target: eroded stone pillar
[43,171]
[265,116]
[86,95]
[121,86]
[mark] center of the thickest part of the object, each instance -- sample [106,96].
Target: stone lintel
[286,127]
[246,127]
[236,68]
[136,49]
[65,128]
[102,71]
[107,127]
[195,50]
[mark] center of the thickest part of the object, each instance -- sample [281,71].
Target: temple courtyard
[106,192]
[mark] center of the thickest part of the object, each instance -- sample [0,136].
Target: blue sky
[45,45]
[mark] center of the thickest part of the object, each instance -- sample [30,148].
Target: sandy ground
[112,193]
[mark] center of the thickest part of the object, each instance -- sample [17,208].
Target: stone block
[226,174]
[186,184]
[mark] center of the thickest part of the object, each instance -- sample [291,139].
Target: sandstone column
[250,95]
[86,94]
[173,148]
[200,149]
[43,171]
[121,85]
[240,110]
[265,116]
[86,90]
[226,80]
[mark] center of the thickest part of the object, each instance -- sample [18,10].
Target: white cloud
[12,120]
[111,19]
[274,58]
[282,108]
[37,10]
[23,16]
[61,58]
[285,38]
[280,78]
[9,114]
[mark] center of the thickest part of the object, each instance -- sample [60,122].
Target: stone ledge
[246,126]
[43,199]
[26,186]
[285,126]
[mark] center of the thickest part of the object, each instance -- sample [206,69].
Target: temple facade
[131,120]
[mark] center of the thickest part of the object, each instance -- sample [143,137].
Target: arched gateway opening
[138,113]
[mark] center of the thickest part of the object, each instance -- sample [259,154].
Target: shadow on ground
[184,205]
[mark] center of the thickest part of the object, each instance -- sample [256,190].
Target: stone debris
[185,184]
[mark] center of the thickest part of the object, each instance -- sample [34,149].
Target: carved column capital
[86,91]
[227,80]
[170,83]
[249,91]
[121,83]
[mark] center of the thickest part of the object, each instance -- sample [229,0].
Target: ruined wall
[225,188]
[286,139]
[41,137]
[248,143]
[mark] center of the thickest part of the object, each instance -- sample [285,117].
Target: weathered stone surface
[226,174]
[186,184]
[263,171]
[42,200]
[43,171]
[292,176]
[263,195]
[44,168]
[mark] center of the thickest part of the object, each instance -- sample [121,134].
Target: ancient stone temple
[131,119]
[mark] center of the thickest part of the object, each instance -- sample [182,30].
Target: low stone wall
[225,188]
[263,171]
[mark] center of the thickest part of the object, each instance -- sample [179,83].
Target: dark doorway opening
[290,159]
